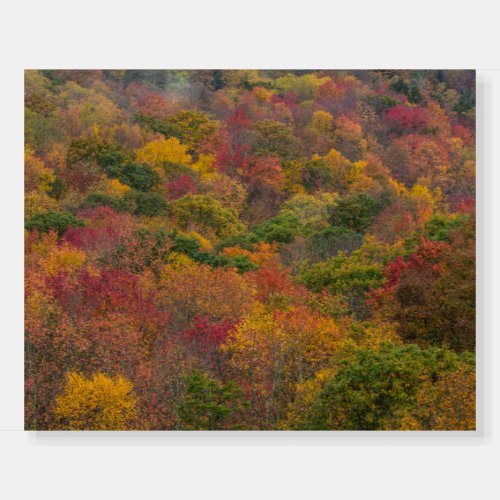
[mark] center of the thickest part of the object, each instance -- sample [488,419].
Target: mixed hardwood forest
[276,250]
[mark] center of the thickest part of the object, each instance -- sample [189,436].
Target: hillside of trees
[249,250]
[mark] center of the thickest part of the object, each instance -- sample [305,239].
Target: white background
[256,34]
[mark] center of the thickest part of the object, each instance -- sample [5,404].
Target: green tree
[110,157]
[282,228]
[209,404]
[139,176]
[51,220]
[375,389]
[355,212]
[151,204]
[126,203]
[275,138]
[206,211]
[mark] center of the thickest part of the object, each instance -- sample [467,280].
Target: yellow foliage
[36,175]
[205,244]
[42,246]
[293,176]
[322,121]
[115,188]
[63,259]
[368,336]
[448,404]
[290,345]
[262,94]
[397,188]
[38,202]
[357,169]
[159,151]
[349,175]
[204,165]
[99,403]
[273,351]
[336,161]
[305,396]
[178,260]
[470,168]
[156,223]
[424,199]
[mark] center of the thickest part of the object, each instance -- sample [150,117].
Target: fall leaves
[100,403]
[255,250]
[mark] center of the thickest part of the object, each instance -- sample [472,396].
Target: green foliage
[126,203]
[317,174]
[439,227]
[303,86]
[151,204]
[282,229]
[110,157]
[275,138]
[347,276]
[381,103]
[414,95]
[464,104]
[351,276]
[332,240]
[209,403]
[375,389]
[139,176]
[243,240]
[51,220]
[409,89]
[355,212]
[311,211]
[57,188]
[190,127]
[243,264]
[42,131]
[207,212]
[191,248]
[400,85]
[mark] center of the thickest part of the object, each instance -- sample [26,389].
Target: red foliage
[328,89]
[463,133]
[231,156]
[273,280]
[180,187]
[148,102]
[406,118]
[426,257]
[98,239]
[266,172]
[206,334]
[467,206]
[238,121]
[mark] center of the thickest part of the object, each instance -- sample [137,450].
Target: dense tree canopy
[249,249]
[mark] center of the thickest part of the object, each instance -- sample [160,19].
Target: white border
[264,34]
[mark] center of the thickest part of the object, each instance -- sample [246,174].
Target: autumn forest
[249,250]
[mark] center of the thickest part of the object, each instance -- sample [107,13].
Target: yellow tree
[273,351]
[448,404]
[97,403]
[158,152]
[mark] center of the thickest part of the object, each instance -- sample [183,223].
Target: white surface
[211,34]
